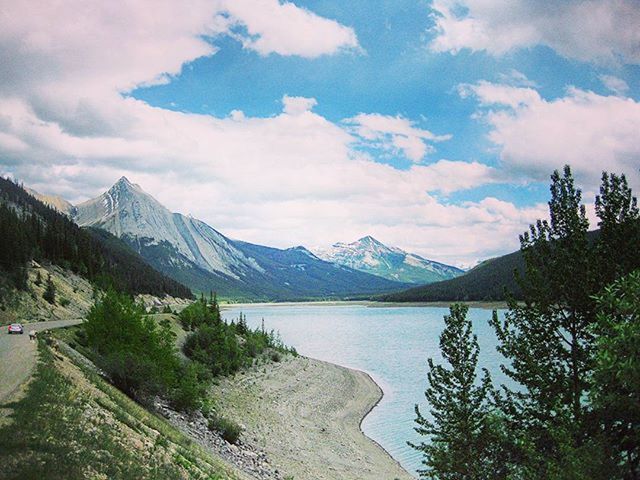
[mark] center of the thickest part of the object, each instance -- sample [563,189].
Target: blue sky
[432,126]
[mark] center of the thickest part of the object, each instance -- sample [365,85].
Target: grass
[71,424]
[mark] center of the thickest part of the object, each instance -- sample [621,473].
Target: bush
[138,355]
[64,302]
[191,387]
[198,314]
[216,347]
[228,429]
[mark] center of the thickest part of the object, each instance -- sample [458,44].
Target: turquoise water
[391,344]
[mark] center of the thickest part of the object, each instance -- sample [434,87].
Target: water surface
[392,344]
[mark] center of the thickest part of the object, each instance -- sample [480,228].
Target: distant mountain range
[371,256]
[197,255]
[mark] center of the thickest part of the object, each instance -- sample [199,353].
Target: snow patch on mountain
[372,256]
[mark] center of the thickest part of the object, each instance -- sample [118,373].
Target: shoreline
[381,396]
[307,415]
[486,305]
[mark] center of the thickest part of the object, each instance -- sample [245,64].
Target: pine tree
[616,377]
[619,224]
[549,342]
[50,291]
[455,448]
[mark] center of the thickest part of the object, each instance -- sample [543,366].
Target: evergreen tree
[616,390]
[456,447]
[549,338]
[50,291]
[619,224]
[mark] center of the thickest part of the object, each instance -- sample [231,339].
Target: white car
[15,328]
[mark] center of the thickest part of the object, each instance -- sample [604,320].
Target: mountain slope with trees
[31,230]
[196,254]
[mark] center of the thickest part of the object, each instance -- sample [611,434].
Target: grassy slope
[73,425]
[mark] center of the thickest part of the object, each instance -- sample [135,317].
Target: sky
[433,126]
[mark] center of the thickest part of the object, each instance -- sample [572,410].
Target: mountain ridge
[372,256]
[194,253]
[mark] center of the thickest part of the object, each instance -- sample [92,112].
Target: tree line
[572,351]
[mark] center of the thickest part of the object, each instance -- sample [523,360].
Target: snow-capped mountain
[126,210]
[197,255]
[371,256]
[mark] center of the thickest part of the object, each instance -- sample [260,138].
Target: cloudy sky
[433,126]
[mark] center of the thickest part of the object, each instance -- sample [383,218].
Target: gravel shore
[305,415]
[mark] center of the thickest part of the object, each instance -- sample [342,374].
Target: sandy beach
[306,414]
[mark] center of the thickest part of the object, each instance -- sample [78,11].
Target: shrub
[275,356]
[64,302]
[228,429]
[138,355]
[191,387]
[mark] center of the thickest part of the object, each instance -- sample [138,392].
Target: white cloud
[397,134]
[298,105]
[587,30]
[286,29]
[588,131]
[293,178]
[615,84]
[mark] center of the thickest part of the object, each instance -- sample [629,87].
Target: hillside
[485,282]
[31,230]
[192,252]
[372,256]
[74,425]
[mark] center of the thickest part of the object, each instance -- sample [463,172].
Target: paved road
[18,356]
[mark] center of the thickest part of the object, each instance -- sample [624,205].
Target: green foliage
[191,387]
[619,224]
[215,346]
[458,406]
[198,314]
[547,338]
[572,352]
[139,355]
[50,291]
[228,429]
[616,375]
[225,347]
[64,301]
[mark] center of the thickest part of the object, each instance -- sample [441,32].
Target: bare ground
[306,415]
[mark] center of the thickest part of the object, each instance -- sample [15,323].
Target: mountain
[485,282]
[371,256]
[32,230]
[55,202]
[194,253]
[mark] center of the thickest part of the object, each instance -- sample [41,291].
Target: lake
[392,344]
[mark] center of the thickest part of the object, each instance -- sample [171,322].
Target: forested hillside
[30,230]
[485,282]
[489,281]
